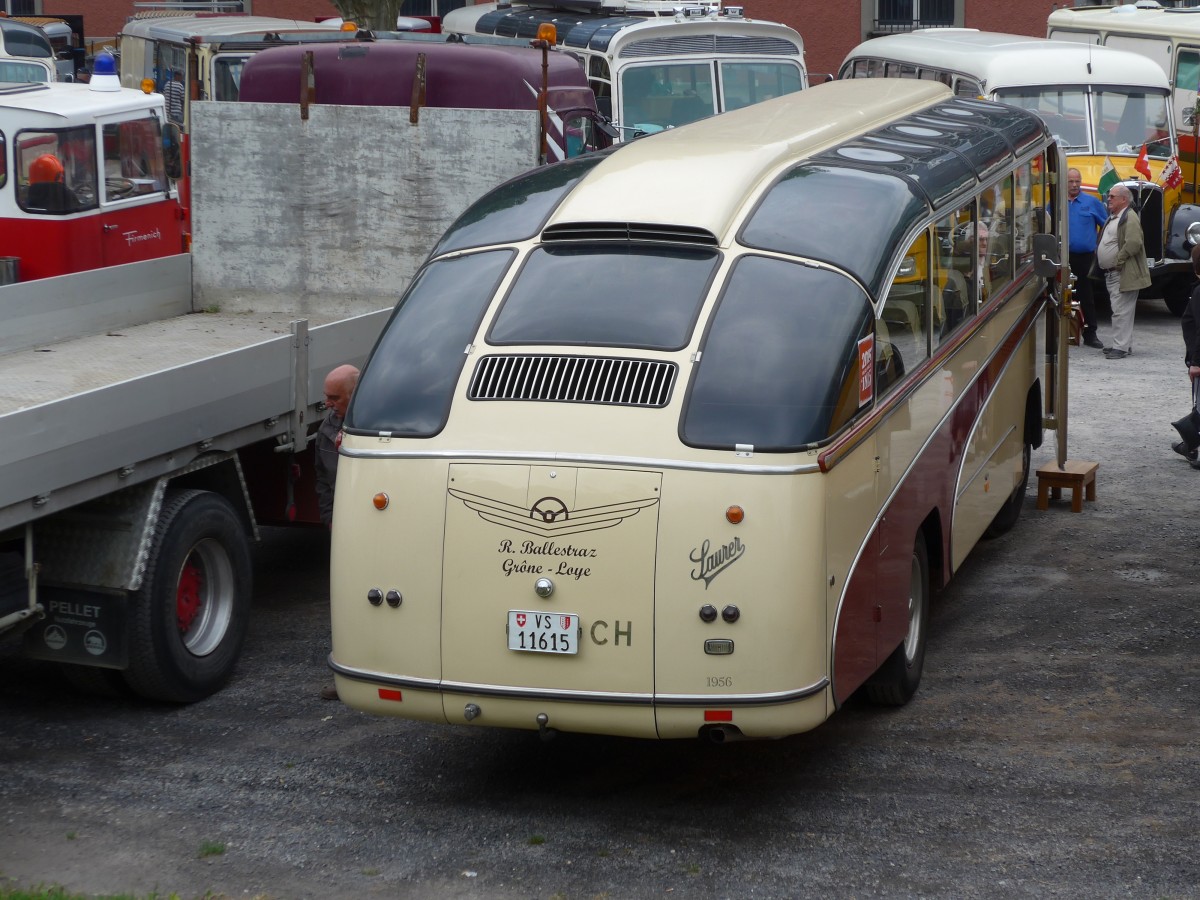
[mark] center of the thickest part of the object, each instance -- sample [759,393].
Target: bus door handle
[110,227]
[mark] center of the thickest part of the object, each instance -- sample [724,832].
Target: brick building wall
[832,28]
[102,19]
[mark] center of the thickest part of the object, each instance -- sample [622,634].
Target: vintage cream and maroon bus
[669,441]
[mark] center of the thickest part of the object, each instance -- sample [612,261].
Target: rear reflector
[389,694]
[712,715]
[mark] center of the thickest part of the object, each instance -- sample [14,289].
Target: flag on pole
[1172,175]
[1143,163]
[1108,177]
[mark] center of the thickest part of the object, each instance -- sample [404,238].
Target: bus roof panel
[1009,60]
[1183,22]
[598,31]
[700,175]
[214,29]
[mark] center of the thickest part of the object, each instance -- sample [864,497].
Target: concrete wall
[335,214]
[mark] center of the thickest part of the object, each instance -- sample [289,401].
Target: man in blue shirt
[1085,214]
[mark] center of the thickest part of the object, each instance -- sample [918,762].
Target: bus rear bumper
[627,715]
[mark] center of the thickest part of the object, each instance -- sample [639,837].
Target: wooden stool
[1075,325]
[1077,475]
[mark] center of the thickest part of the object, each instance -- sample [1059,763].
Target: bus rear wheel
[1007,517]
[189,619]
[899,676]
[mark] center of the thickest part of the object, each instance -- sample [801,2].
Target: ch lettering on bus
[600,627]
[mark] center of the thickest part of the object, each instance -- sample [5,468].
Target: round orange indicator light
[381,500]
[734,515]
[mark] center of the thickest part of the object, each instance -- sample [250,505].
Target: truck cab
[84,176]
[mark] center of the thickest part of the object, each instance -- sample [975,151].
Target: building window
[905,15]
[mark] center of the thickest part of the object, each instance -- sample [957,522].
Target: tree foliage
[377,15]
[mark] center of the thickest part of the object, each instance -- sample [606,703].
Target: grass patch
[536,840]
[211,848]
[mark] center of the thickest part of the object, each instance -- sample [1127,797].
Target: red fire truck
[90,184]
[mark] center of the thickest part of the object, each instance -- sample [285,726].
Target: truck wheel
[898,677]
[188,621]
[1007,517]
[1177,294]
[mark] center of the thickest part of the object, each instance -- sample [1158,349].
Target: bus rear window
[778,368]
[841,215]
[626,295]
[407,386]
[516,210]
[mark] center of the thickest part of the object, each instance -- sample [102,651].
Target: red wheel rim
[188,600]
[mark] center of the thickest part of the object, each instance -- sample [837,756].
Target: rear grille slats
[608,381]
[629,231]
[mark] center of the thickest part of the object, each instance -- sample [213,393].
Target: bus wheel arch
[895,682]
[189,619]
[1010,512]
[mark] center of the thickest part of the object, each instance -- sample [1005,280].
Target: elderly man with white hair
[1121,256]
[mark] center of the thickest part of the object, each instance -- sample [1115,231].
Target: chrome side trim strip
[605,697]
[549,457]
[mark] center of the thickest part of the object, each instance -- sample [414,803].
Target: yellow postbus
[667,442]
[1169,37]
[1106,106]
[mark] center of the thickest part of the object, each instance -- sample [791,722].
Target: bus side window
[1187,82]
[996,211]
[902,327]
[3,161]
[1028,210]
[600,80]
[954,295]
[968,87]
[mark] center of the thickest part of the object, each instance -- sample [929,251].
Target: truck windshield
[625,295]
[778,368]
[1121,119]
[56,170]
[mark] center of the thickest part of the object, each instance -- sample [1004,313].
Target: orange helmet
[45,169]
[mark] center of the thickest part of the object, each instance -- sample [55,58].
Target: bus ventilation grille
[707,44]
[629,231]
[574,379]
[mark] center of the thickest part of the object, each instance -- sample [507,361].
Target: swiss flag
[1143,163]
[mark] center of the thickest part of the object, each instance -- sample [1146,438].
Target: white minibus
[1109,108]
[656,64]
[676,440]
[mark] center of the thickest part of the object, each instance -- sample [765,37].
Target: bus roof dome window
[104,74]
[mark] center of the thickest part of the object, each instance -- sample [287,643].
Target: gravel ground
[1051,750]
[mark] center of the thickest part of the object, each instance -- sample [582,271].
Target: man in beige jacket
[1121,256]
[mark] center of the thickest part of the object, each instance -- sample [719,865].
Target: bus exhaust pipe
[723,734]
